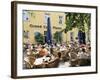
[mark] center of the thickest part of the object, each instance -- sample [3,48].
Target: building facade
[35,22]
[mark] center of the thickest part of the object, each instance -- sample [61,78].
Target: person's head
[89,48]
[83,50]
[28,50]
[80,49]
[76,38]
[88,44]
[43,47]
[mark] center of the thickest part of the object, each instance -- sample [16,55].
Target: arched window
[26,34]
[60,19]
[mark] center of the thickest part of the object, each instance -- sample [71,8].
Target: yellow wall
[75,34]
[38,18]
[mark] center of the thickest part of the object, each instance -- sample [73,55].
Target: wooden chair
[30,62]
[73,59]
[84,62]
[53,63]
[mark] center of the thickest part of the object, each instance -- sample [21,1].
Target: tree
[79,20]
[39,38]
[58,37]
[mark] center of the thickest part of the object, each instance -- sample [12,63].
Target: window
[25,15]
[71,36]
[47,15]
[32,14]
[60,19]
[26,34]
[45,32]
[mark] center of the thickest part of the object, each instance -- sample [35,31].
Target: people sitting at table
[73,57]
[29,59]
[62,47]
[43,51]
[89,52]
[82,54]
[83,57]
[40,53]
[28,52]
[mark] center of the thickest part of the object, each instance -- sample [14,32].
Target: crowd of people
[74,53]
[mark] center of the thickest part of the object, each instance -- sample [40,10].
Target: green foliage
[39,38]
[79,20]
[58,37]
